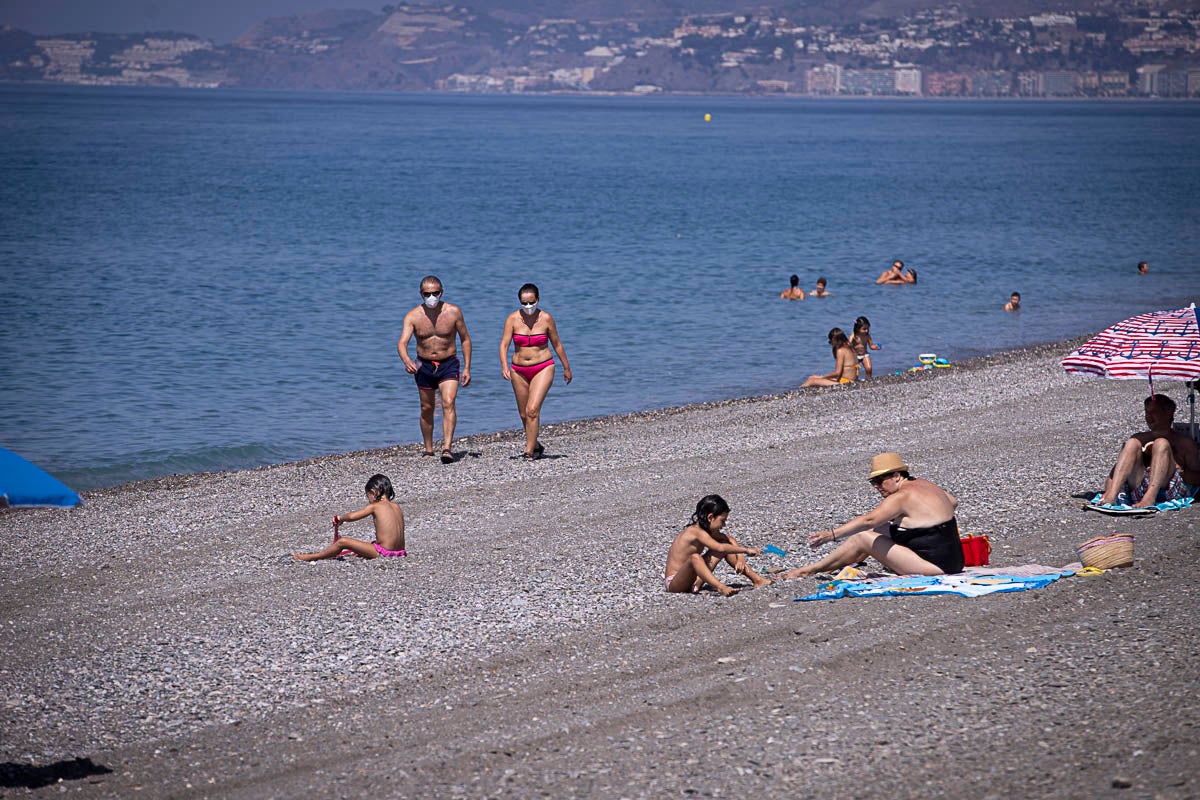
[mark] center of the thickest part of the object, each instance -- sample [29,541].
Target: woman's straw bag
[1107,552]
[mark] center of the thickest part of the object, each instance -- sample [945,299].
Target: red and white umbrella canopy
[1161,344]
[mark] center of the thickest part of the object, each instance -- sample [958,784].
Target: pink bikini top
[531,339]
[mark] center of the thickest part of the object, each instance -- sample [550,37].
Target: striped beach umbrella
[1161,344]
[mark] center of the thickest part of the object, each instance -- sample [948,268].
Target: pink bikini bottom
[527,372]
[385,553]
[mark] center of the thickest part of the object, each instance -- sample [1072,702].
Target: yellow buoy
[708,117]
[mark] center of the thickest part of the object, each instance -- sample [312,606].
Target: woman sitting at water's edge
[845,368]
[911,532]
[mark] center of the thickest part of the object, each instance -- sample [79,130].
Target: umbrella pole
[1192,402]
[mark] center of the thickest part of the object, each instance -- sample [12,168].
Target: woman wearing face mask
[532,333]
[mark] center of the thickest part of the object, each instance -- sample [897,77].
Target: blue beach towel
[23,483]
[964,585]
[1166,505]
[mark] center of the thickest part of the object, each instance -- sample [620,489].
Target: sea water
[199,280]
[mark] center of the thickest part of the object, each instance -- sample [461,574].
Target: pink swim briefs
[385,553]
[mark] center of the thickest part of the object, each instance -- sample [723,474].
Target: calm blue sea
[208,280]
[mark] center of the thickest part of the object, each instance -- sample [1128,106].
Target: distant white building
[908,80]
[1052,21]
[66,56]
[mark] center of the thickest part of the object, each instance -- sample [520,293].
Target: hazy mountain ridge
[628,45]
[298,24]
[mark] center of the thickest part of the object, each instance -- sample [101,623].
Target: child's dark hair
[711,505]
[860,324]
[822,282]
[795,280]
[380,486]
[837,340]
[913,272]
[529,287]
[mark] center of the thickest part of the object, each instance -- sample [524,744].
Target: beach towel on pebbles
[1120,507]
[965,584]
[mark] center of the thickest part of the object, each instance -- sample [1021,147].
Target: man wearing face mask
[436,368]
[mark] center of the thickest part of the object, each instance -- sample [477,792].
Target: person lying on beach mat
[389,526]
[1155,466]
[702,545]
[912,531]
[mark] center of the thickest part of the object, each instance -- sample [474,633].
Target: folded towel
[1116,510]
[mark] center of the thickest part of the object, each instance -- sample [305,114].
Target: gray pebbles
[526,648]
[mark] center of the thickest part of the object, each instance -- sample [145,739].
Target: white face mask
[431,302]
[529,307]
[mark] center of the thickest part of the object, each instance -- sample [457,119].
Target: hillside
[980,48]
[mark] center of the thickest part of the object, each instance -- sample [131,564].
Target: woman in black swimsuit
[913,531]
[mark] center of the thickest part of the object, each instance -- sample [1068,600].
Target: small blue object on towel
[772,550]
[961,584]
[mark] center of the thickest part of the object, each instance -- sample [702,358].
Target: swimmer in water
[897,277]
[893,274]
[793,292]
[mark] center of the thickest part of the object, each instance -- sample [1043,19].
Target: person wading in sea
[793,292]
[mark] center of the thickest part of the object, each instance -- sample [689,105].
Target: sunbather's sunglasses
[876,482]
[431,294]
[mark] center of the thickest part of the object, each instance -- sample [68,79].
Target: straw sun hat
[886,464]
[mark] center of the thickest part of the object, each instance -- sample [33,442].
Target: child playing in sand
[862,344]
[389,526]
[701,546]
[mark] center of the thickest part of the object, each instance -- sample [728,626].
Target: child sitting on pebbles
[701,546]
[389,526]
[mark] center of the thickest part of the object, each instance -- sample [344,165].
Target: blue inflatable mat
[23,483]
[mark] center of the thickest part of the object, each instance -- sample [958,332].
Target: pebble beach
[163,634]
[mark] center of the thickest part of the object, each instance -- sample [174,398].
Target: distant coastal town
[1127,49]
